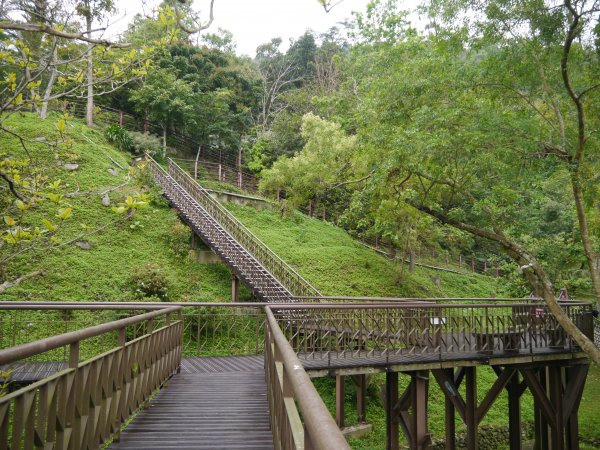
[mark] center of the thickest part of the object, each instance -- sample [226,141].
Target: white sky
[254,22]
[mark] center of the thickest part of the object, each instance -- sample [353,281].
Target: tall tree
[92,10]
[551,60]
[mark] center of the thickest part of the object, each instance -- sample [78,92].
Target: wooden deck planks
[214,403]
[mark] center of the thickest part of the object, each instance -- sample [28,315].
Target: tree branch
[188,30]
[40,28]
[531,268]
[344,183]
[10,284]
[11,186]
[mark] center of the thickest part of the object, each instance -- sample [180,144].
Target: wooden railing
[433,331]
[287,276]
[288,385]
[85,404]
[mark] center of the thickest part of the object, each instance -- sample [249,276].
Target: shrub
[149,281]
[179,239]
[145,143]
[119,137]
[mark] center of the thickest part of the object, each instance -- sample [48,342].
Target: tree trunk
[89,108]
[51,81]
[196,162]
[533,271]
[164,139]
[585,236]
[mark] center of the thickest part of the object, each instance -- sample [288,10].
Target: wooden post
[473,265]
[419,393]
[556,398]
[235,288]
[340,394]
[120,118]
[450,427]
[540,424]
[471,408]
[514,413]
[361,393]
[391,397]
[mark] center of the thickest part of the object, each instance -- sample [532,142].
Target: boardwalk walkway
[214,403]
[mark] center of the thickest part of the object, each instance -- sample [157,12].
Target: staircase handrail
[282,271]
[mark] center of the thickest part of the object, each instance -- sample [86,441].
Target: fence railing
[289,388]
[85,404]
[392,331]
[287,276]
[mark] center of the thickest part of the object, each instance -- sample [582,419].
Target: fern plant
[119,137]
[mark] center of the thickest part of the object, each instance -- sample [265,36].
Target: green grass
[102,273]
[336,264]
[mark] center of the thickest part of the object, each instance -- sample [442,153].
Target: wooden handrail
[320,430]
[15,353]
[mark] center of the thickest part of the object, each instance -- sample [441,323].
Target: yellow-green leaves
[55,198]
[64,213]
[131,203]
[49,225]
[9,221]
[17,234]
[22,206]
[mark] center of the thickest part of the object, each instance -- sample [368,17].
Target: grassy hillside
[120,250]
[336,264]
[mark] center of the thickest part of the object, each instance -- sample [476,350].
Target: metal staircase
[266,275]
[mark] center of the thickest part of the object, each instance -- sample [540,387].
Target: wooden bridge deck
[214,403]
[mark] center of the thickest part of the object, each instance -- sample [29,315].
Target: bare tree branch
[10,284]
[40,28]
[201,27]
[11,186]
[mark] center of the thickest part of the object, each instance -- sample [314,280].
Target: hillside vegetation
[336,264]
[120,250]
[152,245]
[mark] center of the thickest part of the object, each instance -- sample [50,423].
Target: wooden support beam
[419,394]
[471,408]
[576,376]
[514,412]
[401,410]
[340,394]
[235,288]
[450,416]
[556,398]
[539,395]
[361,394]
[493,393]
[450,390]
[391,396]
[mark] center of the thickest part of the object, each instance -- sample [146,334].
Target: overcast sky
[254,22]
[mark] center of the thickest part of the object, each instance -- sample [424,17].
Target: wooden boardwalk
[214,403]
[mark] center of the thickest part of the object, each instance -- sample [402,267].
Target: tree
[552,47]
[322,165]
[164,99]
[450,147]
[92,10]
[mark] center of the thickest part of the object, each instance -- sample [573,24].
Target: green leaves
[64,213]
